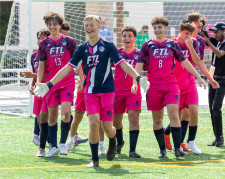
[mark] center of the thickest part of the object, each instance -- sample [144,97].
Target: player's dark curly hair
[130,29]
[43,32]
[160,20]
[53,16]
[193,16]
[65,26]
[187,25]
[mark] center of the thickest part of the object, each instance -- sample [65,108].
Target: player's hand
[31,89]
[134,89]
[41,89]
[189,42]
[80,87]
[201,83]
[214,84]
[144,83]
[27,74]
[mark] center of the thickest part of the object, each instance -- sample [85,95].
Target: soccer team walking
[171,83]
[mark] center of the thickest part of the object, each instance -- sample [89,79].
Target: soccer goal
[26,19]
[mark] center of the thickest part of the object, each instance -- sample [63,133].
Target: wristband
[138,79]
[49,84]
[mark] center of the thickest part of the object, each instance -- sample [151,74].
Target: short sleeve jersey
[220,62]
[123,82]
[97,65]
[34,62]
[160,60]
[184,77]
[201,46]
[57,54]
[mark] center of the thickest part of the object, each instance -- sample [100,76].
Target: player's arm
[189,67]
[219,53]
[205,72]
[127,68]
[41,70]
[29,74]
[32,86]
[194,56]
[81,75]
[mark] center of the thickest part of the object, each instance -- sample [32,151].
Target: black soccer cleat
[111,151]
[162,153]
[134,155]
[119,147]
[179,152]
[219,142]
[213,143]
[93,163]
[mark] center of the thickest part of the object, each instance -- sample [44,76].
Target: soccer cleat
[179,152]
[219,142]
[36,140]
[111,152]
[213,143]
[184,147]
[54,151]
[119,147]
[79,139]
[40,153]
[167,141]
[162,153]
[69,145]
[93,163]
[193,147]
[62,149]
[134,155]
[102,150]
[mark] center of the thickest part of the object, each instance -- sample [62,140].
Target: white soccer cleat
[40,153]
[36,140]
[54,151]
[78,139]
[102,150]
[69,146]
[193,147]
[62,149]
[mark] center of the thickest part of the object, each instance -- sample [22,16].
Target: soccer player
[159,55]
[125,101]
[65,28]
[187,85]
[39,106]
[54,53]
[98,85]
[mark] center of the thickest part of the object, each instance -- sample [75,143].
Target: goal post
[26,19]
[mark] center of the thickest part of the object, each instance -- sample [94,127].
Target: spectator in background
[104,32]
[65,28]
[142,36]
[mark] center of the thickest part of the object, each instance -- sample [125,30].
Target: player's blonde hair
[92,17]
[160,20]
[187,25]
[193,16]
[53,16]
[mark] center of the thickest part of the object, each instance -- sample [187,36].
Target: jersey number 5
[58,61]
[160,63]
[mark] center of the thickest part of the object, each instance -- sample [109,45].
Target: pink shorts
[188,96]
[127,102]
[80,104]
[57,96]
[101,103]
[157,98]
[39,105]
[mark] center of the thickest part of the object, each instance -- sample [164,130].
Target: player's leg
[102,150]
[133,117]
[36,111]
[193,124]
[118,124]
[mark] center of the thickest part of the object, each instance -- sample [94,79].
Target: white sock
[71,138]
[101,143]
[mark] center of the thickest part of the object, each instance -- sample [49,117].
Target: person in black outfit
[216,96]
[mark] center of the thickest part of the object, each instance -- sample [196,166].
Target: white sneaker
[69,146]
[54,151]
[193,147]
[40,153]
[36,140]
[78,139]
[102,150]
[62,149]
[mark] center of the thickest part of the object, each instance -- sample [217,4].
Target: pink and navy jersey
[184,77]
[160,60]
[201,46]
[97,65]
[34,62]
[123,82]
[56,54]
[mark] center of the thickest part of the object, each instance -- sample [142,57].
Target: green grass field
[17,154]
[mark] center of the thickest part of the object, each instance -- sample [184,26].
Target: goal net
[26,19]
